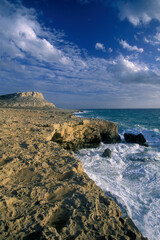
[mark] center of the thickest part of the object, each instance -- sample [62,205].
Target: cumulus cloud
[133,66]
[157,58]
[35,59]
[100,46]
[128,71]
[139,11]
[157,37]
[136,12]
[129,47]
[153,39]
[25,36]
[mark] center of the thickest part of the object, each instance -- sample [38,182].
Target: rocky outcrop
[44,192]
[30,94]
[85,133]
[107,153]
[24,99]
[132,138]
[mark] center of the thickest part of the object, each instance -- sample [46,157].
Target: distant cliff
[24,99]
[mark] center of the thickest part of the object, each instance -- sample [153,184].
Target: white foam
[156,130]
[81,113]
[131,176]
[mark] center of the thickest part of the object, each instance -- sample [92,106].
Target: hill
[24,99]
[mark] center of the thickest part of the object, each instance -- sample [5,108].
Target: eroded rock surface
[44,192]
[85,133]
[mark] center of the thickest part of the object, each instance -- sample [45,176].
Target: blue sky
[82,53]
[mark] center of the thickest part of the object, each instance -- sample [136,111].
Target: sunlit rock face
[24,99]
[85,133]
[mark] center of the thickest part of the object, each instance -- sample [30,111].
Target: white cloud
[135,11]
[157,58]
[158,49]
[129,47]
[153,39]
[157,36]
[25,36]
[110,50]
[139,11]
[146,40]
[133,66]
[33,59]
[100,46]
[125,68]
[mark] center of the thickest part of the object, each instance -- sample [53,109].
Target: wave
[130,177]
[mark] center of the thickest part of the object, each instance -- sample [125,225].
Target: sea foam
[130,177]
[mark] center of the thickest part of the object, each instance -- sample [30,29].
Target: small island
[45,193]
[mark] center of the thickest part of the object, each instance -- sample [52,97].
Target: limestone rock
[31,94]
[132,138]
[24,99]
[85,133]
[107,153]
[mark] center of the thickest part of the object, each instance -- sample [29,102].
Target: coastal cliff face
[44,192]
[85,133]
[30,94]
[24,99]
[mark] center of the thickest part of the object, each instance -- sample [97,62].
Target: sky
[82,53]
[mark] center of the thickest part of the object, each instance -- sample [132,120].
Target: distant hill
[24,99]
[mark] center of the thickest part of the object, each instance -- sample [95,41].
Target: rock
[107,153]
[24,99]
[132,138]
[85,133]
[30,94]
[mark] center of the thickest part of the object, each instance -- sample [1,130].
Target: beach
[45,193]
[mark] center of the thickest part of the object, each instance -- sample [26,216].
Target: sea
[132,175]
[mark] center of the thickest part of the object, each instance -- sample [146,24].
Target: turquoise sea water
[132,175]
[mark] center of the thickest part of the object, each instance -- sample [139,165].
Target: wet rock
[110,139]
[107,153]
[132,138]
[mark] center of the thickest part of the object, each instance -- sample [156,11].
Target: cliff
[84,133]
[24,99]
[44,192]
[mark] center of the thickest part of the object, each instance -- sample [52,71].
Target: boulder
[85,133]
[133,138]
[107,153]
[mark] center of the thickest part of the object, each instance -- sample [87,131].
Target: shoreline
[44,190]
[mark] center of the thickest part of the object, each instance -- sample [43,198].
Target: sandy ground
[44,192]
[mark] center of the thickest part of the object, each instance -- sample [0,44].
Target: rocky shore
[44,192]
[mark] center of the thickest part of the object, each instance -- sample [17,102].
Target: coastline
[45,193]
